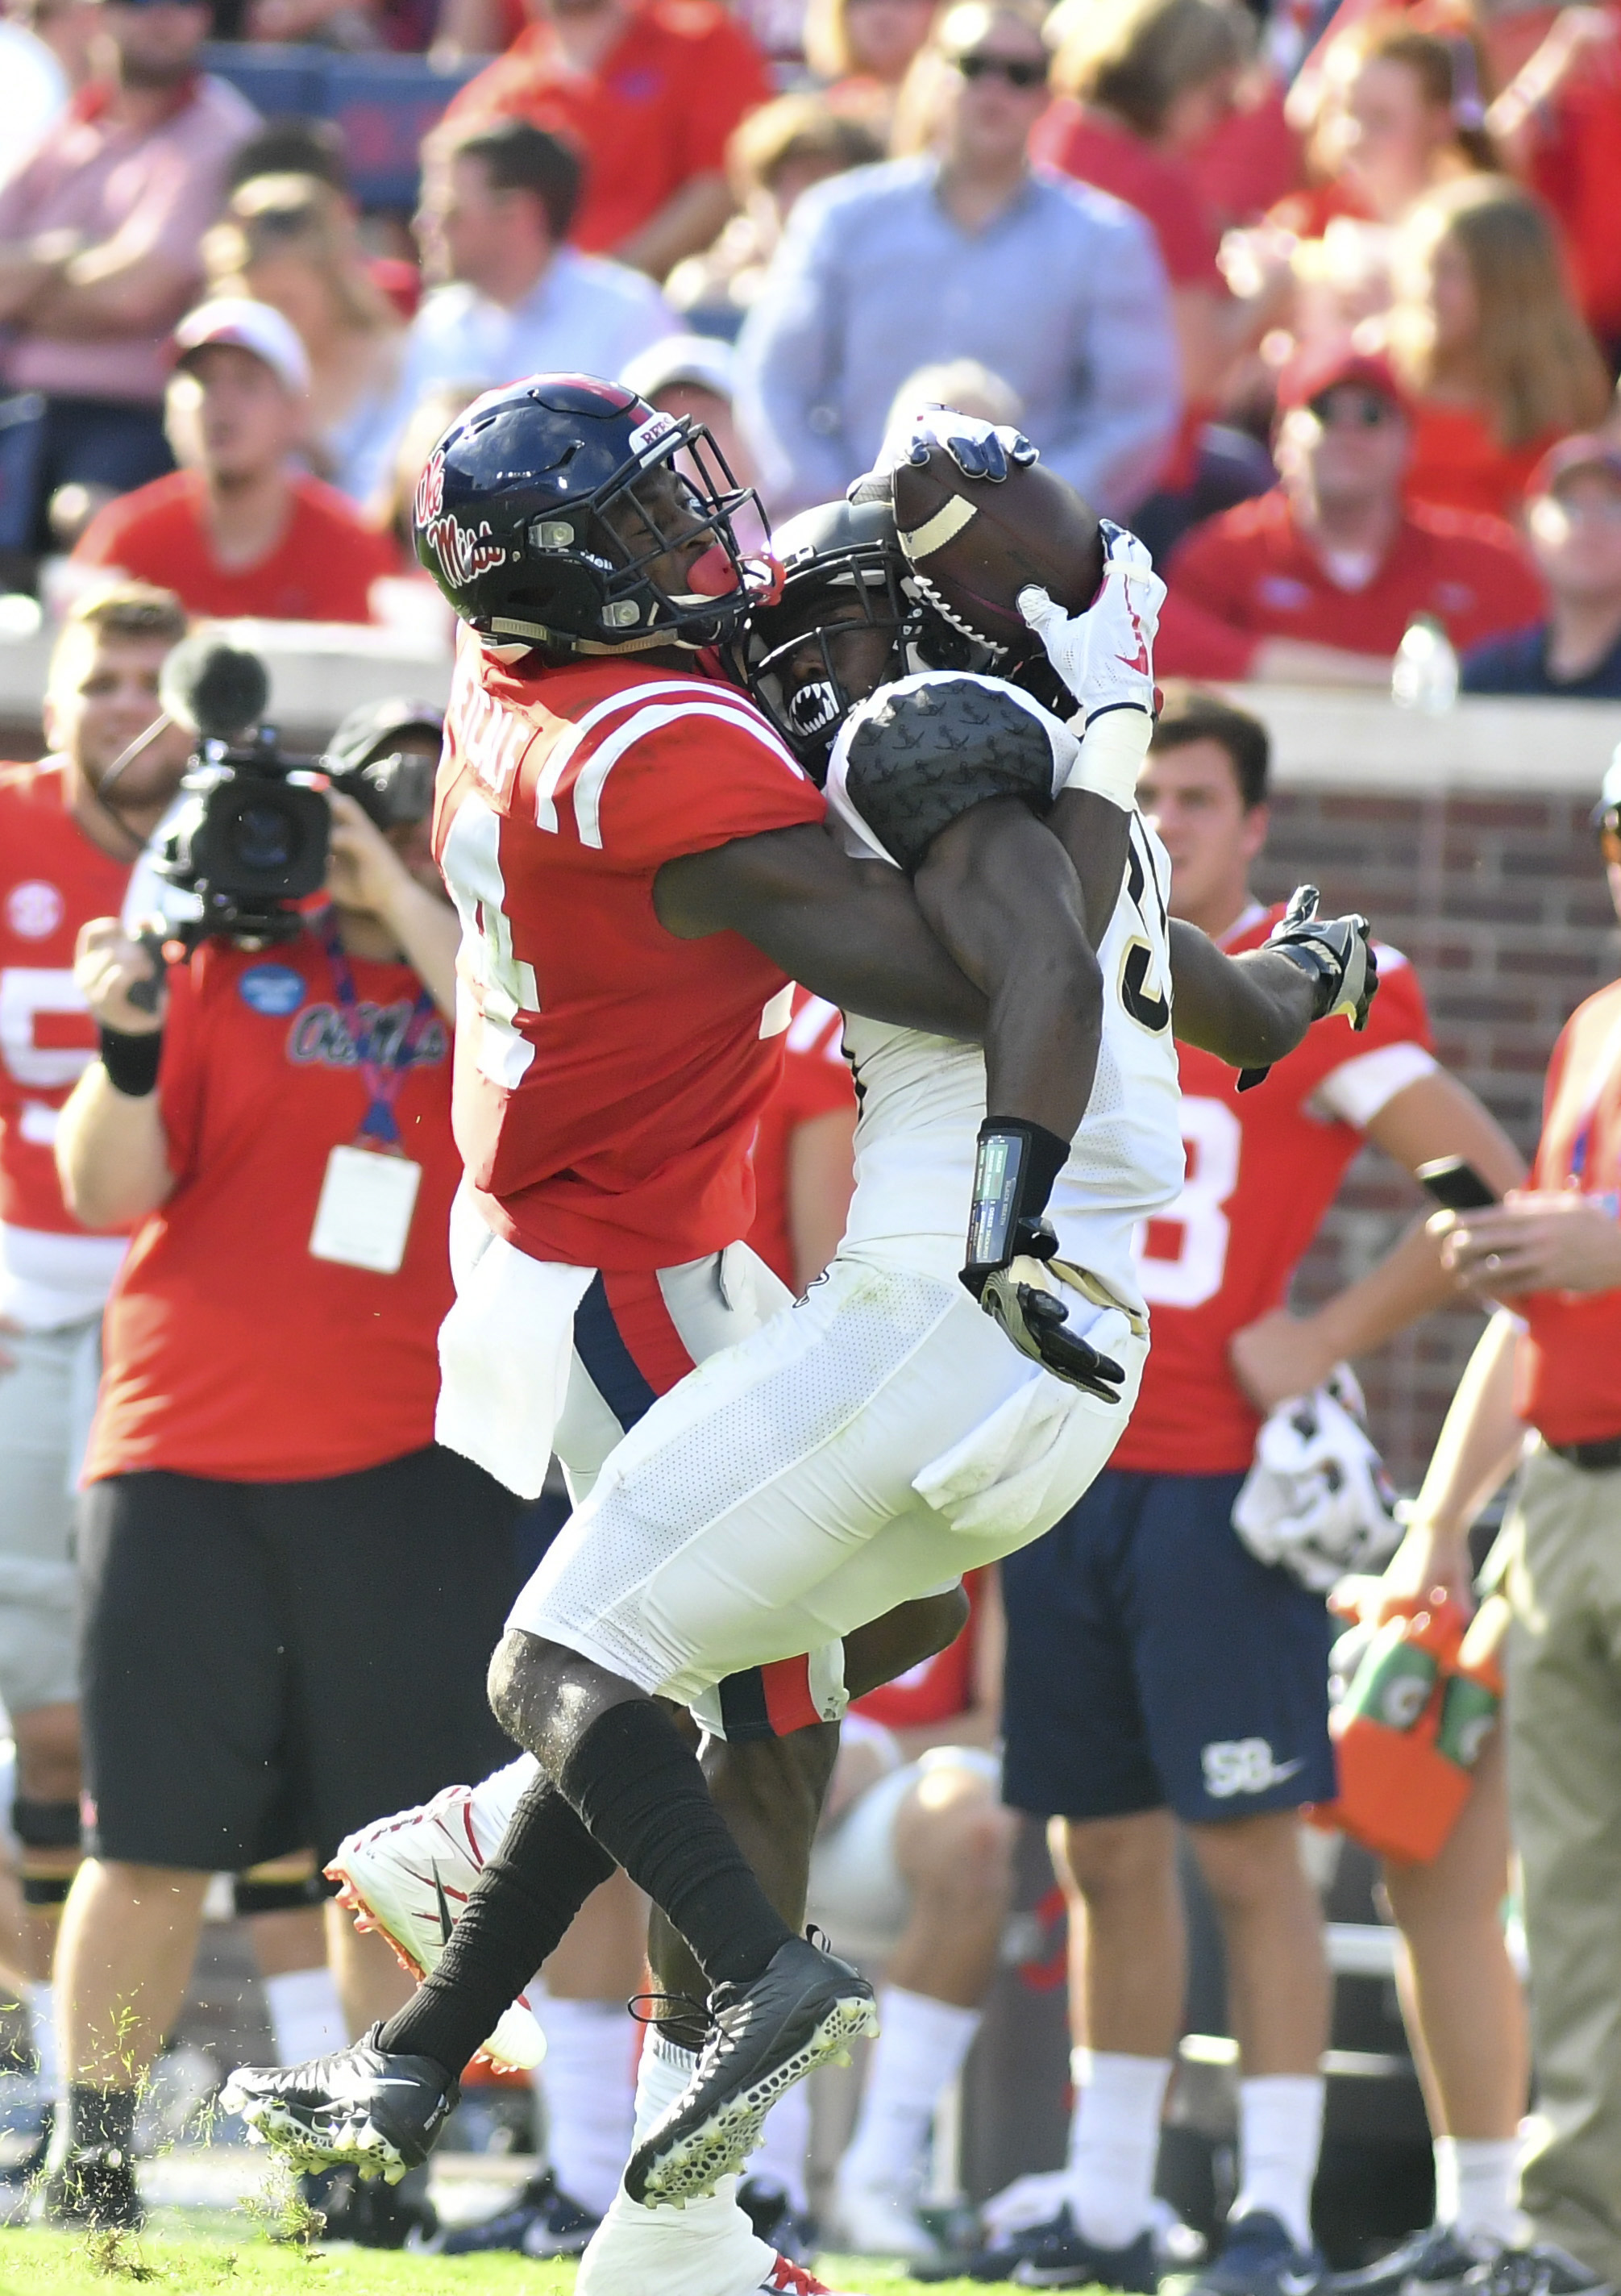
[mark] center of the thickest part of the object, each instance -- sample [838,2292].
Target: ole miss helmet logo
[460,552]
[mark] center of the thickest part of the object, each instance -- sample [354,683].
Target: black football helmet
[547,505]
[801,656]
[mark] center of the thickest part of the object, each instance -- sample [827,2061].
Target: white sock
[919,2054]
[306,2015]
[492,1801]
[1114,2143]
[784,2147]
[1476,2185]
[588,2082]
[1280,2137]
[42,2031]
[706,2249]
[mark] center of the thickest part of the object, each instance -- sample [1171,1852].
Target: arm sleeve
[1128,395]
[788,357]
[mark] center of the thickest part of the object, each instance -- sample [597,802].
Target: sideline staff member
[291,1592]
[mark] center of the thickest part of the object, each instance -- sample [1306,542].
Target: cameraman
[290,1592]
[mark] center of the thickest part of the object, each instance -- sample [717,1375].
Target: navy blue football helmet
[565,514]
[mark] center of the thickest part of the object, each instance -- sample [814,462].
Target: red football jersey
[815,1081]
[609,1077]
[53,880]
[1263,1168]
[231,1350]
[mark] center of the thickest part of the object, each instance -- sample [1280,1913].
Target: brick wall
[1501,906]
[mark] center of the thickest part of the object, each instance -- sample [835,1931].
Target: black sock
[639,1788]
[98,2117]
[546,1867]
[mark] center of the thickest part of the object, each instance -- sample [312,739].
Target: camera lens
[266,837]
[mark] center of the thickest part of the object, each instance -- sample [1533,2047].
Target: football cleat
[1542,2270]
[804,2010]
[94,2190]
[540,2221]
[1055,2253]
[409,1879]
[363,2106]
[1259,2258]
[1435,2259]
[881,2221]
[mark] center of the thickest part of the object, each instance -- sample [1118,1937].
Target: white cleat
[881,2220]
[409,1878]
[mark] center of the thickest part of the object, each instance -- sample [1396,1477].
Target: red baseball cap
[1316,367]
[1586,451]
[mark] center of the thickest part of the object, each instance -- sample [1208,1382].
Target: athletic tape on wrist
[1112,750]
[131,1062]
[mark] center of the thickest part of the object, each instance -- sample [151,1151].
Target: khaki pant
[45,1403]
[1564,1709]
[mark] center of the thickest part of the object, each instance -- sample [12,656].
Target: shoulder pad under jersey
[917,754]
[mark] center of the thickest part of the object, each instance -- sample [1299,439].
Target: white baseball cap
[701,361]
[255,327]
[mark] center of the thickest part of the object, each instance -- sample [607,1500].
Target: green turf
[57,2264]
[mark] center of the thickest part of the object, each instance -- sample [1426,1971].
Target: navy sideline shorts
[1153,1662]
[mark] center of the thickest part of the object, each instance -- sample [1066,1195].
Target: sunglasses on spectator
[1021,72]
[1342,403]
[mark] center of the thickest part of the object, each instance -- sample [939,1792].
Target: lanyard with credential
[383,1078]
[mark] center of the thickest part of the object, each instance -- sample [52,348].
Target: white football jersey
[923,1097]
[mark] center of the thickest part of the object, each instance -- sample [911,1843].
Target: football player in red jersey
[1158,1674]
[65,855]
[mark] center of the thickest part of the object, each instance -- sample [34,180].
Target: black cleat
[362,2105]
[1436,2258]
[371,2215]
[1541,2269]
[94,2190]
[539,2221]
[1056,2254]
[804,2009]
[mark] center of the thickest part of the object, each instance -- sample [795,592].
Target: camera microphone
[213,689]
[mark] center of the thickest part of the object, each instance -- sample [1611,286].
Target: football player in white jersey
[722,1529]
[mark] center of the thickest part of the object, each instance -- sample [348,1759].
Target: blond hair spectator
[864,50]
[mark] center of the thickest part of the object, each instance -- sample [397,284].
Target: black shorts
[267,1666]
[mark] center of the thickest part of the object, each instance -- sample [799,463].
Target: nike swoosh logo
[442,1904]
[1139,663]
[1280,1771]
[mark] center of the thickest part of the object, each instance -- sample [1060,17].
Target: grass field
[54,2264]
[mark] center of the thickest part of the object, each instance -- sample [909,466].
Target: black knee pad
[45,1824]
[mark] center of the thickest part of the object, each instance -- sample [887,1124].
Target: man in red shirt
[236,530]
[1314,583]
[1549,1365]
[650,90]
[277,1132]
[1158,1676]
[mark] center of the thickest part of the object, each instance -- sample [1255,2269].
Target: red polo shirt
[1250,575]
[658,110]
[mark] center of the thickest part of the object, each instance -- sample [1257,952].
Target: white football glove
[1105,654]
[1317,1500]
[980,449]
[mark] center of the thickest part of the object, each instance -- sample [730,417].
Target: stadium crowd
[1326,304]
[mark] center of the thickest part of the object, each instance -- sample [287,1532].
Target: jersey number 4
[1213,1138]
[506,985]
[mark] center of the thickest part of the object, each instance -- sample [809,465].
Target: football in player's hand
[975,545]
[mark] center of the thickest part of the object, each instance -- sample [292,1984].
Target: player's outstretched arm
[848,930]
[1245,1010]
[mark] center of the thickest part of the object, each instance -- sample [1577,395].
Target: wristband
[1112,750]
[131,1063]
[1014,1169]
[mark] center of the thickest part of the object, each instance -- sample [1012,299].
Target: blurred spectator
[291,242]
[429,419]
[648,91]
[264,1437]
[1315,582]
[99,235]
[775,154]
[1560,121]
[292,146]
[864,49]
[236,530]
[1573,519]
[1497,359]
[962,384]
[1143,86]
[512,298]
[960,252]
[693,374]
[65,853]
[45,58]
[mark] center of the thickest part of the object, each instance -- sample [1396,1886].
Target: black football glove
[980,449]
[1014,1169]
[1337,954]
[1037,1322]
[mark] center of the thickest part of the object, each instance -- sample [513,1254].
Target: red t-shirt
[938,1689]
[657,110]
[815,1081]
[1569,1362]
[322,569]
[230,1349]
[1575,165]
[1250,574]
[1458,463]
[1309,212]
[1263,1168]
[51,882]
[609,1076]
